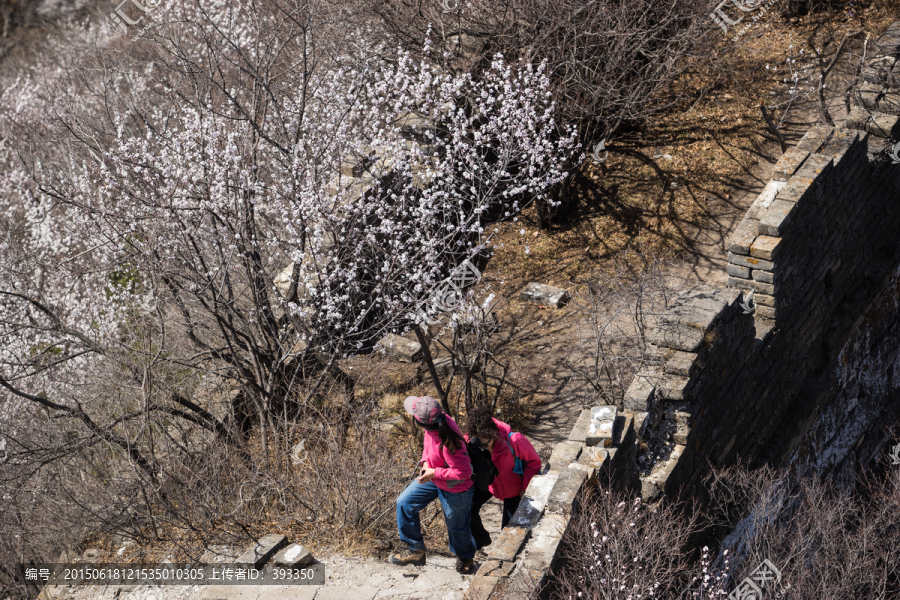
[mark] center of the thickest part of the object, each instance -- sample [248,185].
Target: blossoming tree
[147,254]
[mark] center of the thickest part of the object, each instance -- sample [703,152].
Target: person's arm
[459,466]
[530,458]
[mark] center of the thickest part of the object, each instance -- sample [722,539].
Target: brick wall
[808,376]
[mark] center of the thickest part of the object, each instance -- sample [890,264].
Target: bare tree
[617,311]
[617,548]
[825,542]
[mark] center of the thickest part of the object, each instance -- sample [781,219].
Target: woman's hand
[426,475]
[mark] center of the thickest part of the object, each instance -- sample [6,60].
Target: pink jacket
[452,471]
[508,484]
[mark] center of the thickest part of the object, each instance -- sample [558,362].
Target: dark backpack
[483,468]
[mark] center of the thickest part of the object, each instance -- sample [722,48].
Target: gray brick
[564,453]
[765,247]
[839,145]
[885,126]
[764,300]
[736,271]
[535,499]
[776,219]
[742,238]
[680,363]
[507,546]
[814,138]
[767,312]
[763,276]
[263,550]
[541,553]
[788,164]
[594,457]
[639,393]
[749,284]
[750,262]
[566,489]
[890,102]
[294,555]
[672,387]
[869,93]
[580,430]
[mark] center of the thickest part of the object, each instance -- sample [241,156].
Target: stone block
[764,300]
[672,387]
[649,490]
[765,247]
[640,392]
[564,453]
[750,261]
[624,429]
[662,471]
[885,126]
[600,430]
[496,568]
[736,271]
[766,312]
[680,363]
[545,541]
[776,219]
[534,500]
[580,430]
[402,349]
[743,236]
[263,550]
[545,295]
[507,546]
[789,163]
[389,424]
[564,492]
[481,587]
[890,102]
[836,148]
[869,93]
[676,336]
[589,470]
[691,316]
[763,276]
[640,423]
[857,119]
[293,556]
[682,427]
[813,139]
[750,284]
[595,457]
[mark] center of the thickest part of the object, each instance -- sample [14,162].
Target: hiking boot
[466,566]
[408,557]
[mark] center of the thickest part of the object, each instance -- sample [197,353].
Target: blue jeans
[457,514]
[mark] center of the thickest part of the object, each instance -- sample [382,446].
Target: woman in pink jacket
[510,482]
[446,474]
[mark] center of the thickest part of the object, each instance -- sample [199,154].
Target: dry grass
[629,200]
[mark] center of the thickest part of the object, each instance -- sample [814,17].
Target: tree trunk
[429,362]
